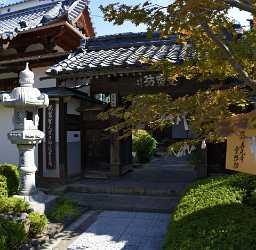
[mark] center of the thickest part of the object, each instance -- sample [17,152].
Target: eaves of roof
[38,16]
[66,92]
[33,58]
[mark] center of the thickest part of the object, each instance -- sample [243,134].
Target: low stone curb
[131,203]
[71,232]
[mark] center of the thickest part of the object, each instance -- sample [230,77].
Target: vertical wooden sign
[241,151]
[50,136]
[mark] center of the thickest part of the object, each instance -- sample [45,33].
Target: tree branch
[231,59]
[242,5]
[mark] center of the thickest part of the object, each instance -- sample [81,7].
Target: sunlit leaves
[204,111]
[205,59]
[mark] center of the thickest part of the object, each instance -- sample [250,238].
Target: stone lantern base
[39,202]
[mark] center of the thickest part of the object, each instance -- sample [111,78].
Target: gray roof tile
[14,22]
[122,50]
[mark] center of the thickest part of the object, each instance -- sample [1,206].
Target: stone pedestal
[39,201]
[27,169]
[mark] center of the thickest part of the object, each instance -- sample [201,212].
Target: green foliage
[252,199]
[12,174]
[64,209]
[12,234]
[214,51]
[13,205]
[3,186]
[144,145]
[3,245]
[204,111]
[214,214]
[38,223]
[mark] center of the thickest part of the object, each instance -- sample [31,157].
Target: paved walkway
[166,176]
[155,187]
[124,231]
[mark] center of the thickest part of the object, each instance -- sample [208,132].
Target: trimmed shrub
[11,172]
[63,210]
[3,186]
[12,234]
[13,205]
[214,215]
[38,223]
[144,145]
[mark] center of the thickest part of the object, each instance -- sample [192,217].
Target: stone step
[116,202]
[131,188]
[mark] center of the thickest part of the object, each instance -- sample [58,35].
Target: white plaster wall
[8,75]
[40,72]
[72,106]
[86,89]
[8,151]
[73,153]
[34,47]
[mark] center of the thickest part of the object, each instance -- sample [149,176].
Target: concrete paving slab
[136,232]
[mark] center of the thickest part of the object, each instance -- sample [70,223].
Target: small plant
[12,234]
[3,186]
[12,175]
[64,209]
[38,223]
[13,205]
[144,145]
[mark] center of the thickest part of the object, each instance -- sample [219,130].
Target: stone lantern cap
[25,95]
[26,77]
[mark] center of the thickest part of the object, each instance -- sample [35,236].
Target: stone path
[115,230]
[162,176]
[156,187]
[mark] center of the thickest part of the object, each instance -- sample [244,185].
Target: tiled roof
[25,19]
[122,51]
[5,3]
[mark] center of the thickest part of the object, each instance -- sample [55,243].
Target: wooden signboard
[50,136]
[241,151]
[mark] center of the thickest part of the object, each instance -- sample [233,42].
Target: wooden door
[97,150]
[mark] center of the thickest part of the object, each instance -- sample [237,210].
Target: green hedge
[11,172]
[12,234]
[215,214]
[3,186]
[144,145]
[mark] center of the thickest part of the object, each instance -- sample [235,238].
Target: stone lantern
[26,100]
